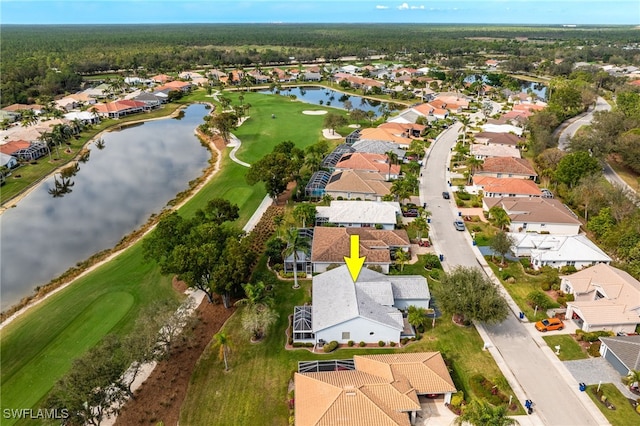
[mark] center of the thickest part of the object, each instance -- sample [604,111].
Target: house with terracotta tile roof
[368,310]
[484,152]
[24,150]
[381,390]
[368,162]
[331,244]
[493,138]
[507,167]
[504,187]
[385,135]
[606,298]
[408,130]
[353,185]
[359,214]
[183,86]
[117,109]
[161,78]
[539,215]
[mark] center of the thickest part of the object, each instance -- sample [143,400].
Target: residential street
[531,372]
[567,132]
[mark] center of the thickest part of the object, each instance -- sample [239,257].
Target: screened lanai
[302,327]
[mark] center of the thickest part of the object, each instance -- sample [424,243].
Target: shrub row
[330,347]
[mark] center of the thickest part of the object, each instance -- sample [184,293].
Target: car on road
[459,225]
[549,324]
[446,195]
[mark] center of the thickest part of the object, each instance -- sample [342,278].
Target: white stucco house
[557,250]
[606,298]
[369,310]
[537,215]
[357,214]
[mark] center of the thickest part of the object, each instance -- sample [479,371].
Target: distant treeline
[43,61]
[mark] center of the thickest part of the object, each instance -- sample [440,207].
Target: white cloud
[382,7]
[405,6]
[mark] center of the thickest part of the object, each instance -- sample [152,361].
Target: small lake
[327,97]
[539,89]
[139,170]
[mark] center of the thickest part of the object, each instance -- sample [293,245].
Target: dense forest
[44,61]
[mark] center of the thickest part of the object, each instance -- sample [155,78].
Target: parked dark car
[446,195]
[410,213]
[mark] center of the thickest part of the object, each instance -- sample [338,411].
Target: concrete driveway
[597,370]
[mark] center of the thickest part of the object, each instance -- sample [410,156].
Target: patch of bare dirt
[159,399]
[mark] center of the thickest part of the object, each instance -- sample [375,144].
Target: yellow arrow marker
[354,261]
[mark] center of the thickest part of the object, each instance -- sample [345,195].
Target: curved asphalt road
[566,132]
[536,376]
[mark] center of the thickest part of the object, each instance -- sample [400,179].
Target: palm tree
[225,347]
[295,243]
[28,117]
[392,158]
[634,378]
[401,190]
[255,296]
[277,221]
[474,164]
[481,413]
[402,257]
[499,216]
[465,121]
[417,317]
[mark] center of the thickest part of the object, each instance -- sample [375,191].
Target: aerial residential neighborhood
[319,224]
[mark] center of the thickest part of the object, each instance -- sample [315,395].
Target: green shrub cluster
[431,261]
[592,336]
[485,389]
[457,399]
[362,344]
[594,349]
[330,347]
[404,341]
[539,299]
[350,343]
[381,343]
[302,345]
[392,344]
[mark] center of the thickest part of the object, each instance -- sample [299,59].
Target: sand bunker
[317,112]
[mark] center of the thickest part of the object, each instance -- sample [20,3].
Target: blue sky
[330,11]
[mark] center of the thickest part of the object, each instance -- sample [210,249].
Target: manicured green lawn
[569,348]
[522,285]
[624,414]
[254,391]
[39,347]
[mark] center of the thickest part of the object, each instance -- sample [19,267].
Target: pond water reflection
[137,172]
[323,96]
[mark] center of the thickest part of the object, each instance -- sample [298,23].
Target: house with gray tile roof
[622,352]
[368,310]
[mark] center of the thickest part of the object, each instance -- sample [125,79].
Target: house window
[598,296]
[346,335]
[524,225]
[571,263]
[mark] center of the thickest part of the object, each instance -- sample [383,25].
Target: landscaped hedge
[592,336]
[330,347]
